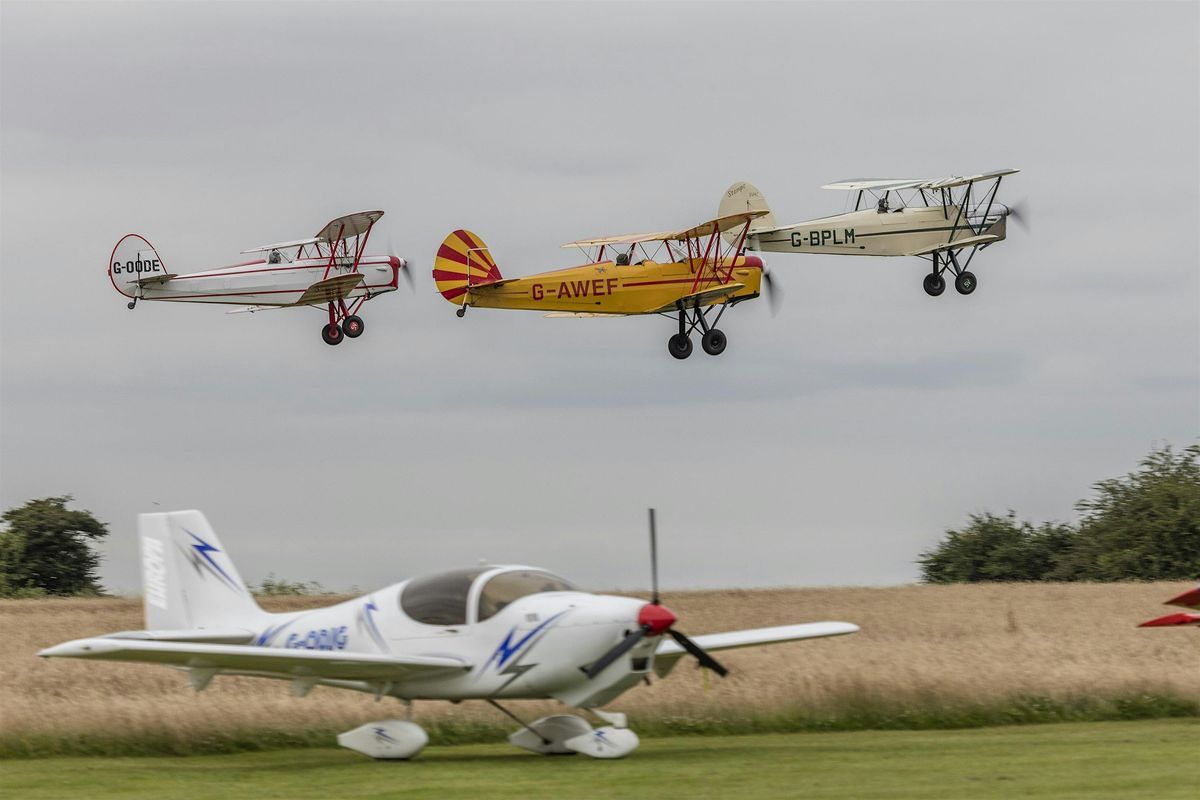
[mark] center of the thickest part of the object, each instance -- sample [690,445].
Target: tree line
[1143,526]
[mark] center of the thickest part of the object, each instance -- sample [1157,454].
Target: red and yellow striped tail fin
[463,259]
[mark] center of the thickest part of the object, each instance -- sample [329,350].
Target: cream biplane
[329,271]
[691,275]
[937,220]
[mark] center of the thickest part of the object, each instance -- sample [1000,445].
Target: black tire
[965,283]
[353,326]
[461,312]
[934,285]
[332,334]
[680,346]
[713,341]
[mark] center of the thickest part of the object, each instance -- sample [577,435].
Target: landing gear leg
[934,283]
[461,312]
[680,345]
[332,332]
[131,304]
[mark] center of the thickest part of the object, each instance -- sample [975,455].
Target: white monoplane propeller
[655,619]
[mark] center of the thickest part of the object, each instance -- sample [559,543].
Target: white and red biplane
[329,271]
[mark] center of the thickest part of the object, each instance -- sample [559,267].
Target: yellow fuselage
[606,288]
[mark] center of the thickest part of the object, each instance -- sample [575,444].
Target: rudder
[188,580]
[463,260]
[133,259]
[743,197]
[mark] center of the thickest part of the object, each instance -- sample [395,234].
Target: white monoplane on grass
[486,633]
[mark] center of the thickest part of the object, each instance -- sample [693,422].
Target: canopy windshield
[440,599]
[509,586]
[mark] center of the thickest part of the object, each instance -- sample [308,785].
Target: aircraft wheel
[680,346]
[353,326]
[713,342]
[934,285]
[965,283]
[461,312]
[332,334]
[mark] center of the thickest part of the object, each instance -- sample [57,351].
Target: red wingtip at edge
[1189,599]
[1172,619]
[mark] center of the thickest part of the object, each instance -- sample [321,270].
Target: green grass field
[1083,760]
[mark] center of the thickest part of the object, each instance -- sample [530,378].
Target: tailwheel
[965,283]
[353,326]
[461,312]
[680,346]
[332,333]
[713,341]
[934,284]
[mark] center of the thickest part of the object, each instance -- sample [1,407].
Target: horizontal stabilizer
[1182,618]
[253,309]
[957,244]
[336,288]
[319,664]
[153,280]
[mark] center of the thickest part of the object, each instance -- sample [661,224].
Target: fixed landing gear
[680,345]
[964,281]
[712,340]
[332,333]
[460,312]
[131,304]
[353,326]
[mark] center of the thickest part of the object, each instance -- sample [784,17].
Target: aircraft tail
[188,579]
[463,261]
[743,197]
[134,262]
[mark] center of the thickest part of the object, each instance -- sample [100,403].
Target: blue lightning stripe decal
[508,648]
[366,619]
[204,549]
[265,638]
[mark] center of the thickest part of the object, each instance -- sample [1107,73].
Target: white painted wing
[331,664]
[757,636]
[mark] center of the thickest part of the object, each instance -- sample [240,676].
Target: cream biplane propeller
[329,271]
[936,220]
[487,632]
[691,275]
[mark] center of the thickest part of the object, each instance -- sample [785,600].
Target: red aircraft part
[1172,619]
[1189,599]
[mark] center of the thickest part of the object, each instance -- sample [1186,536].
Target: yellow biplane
[692,275]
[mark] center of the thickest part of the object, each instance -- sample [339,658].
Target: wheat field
[926,656]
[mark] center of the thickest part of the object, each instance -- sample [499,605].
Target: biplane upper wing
[348,226]
[335,288]
[721,224]
[702,296]
[283,245]
[897,184]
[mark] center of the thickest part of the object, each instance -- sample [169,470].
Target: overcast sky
[828,445]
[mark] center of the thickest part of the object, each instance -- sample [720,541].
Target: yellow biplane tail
[743,197]
[463,261]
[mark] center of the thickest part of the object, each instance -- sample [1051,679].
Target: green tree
[994,548]
[46,547]
[1143,526]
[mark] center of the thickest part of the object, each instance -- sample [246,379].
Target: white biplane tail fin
[743,197]
[463,261]
[188,580]
[135,263]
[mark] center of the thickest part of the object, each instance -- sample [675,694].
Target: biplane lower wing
[330,289]
[704,296]
[970,241]
[579,315]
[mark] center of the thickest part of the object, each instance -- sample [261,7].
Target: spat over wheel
[353,326]
[713,342]
[965,283]
[934,285]
[680,346]
[332,334]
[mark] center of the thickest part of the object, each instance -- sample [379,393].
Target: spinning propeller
[655,619]
[404,270]
[1019,213]
[774,294]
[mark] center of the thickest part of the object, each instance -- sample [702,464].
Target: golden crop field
[922,650]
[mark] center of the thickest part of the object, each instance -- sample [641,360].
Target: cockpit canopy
[442,599]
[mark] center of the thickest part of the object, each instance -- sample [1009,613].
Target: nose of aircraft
[655,619]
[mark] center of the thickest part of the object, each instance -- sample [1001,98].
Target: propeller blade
[706,661]
[621,648]
[655,600]
[1019,213]
[404,270]
[774,293]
